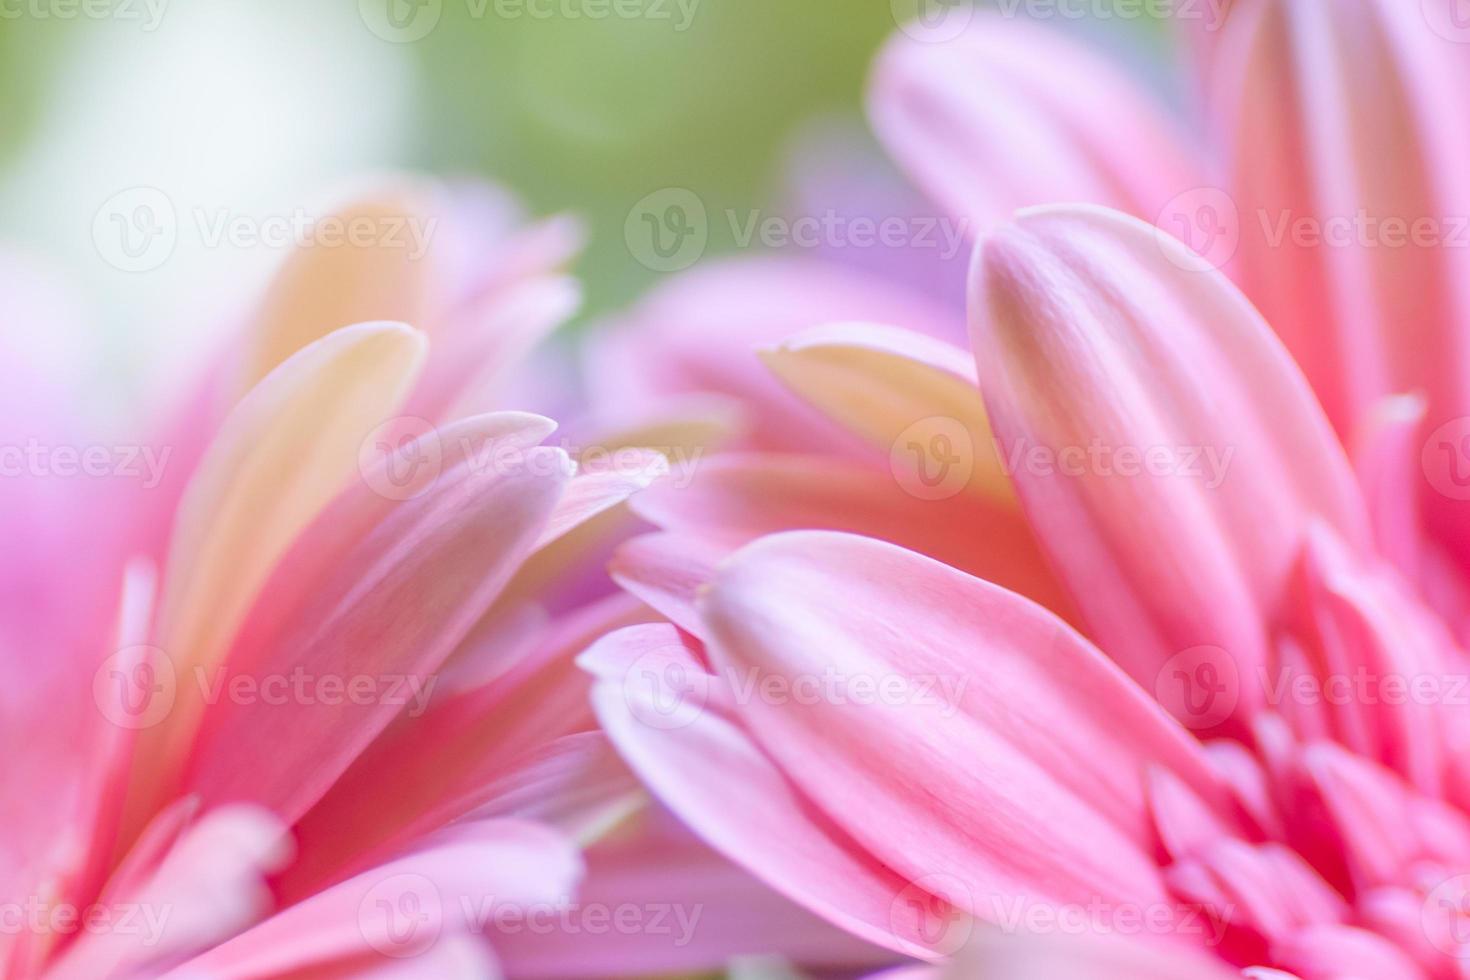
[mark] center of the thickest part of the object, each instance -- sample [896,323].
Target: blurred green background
[258,105]
[572,111]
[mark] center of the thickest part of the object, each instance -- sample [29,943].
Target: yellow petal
[365,263]
[912,396]
[281,456]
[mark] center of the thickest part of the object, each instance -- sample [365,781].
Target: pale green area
[588,115]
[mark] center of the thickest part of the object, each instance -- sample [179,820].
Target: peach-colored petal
[416,582]
[901,391]
[372,275]
[734,498]
[698,335]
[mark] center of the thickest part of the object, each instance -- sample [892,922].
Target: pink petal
[666,571]
[432,767]
[901,391]
[404,909]
[694,911]
[1053,957]
[1386,455]
[1167,451]
[713,776]
[1330,952]
[699,335]
[1334,127]
[604,486]
[416,582]
[207,887]
[949,747]
[279,459]
[1384,664]
[735,498]
[1069,127]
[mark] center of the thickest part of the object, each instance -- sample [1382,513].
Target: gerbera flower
[941,759]
[317,655]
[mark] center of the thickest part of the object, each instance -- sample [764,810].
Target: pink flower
[902,746]
[302,700]
[1184,691]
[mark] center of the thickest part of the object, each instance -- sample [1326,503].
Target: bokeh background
[258,107]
